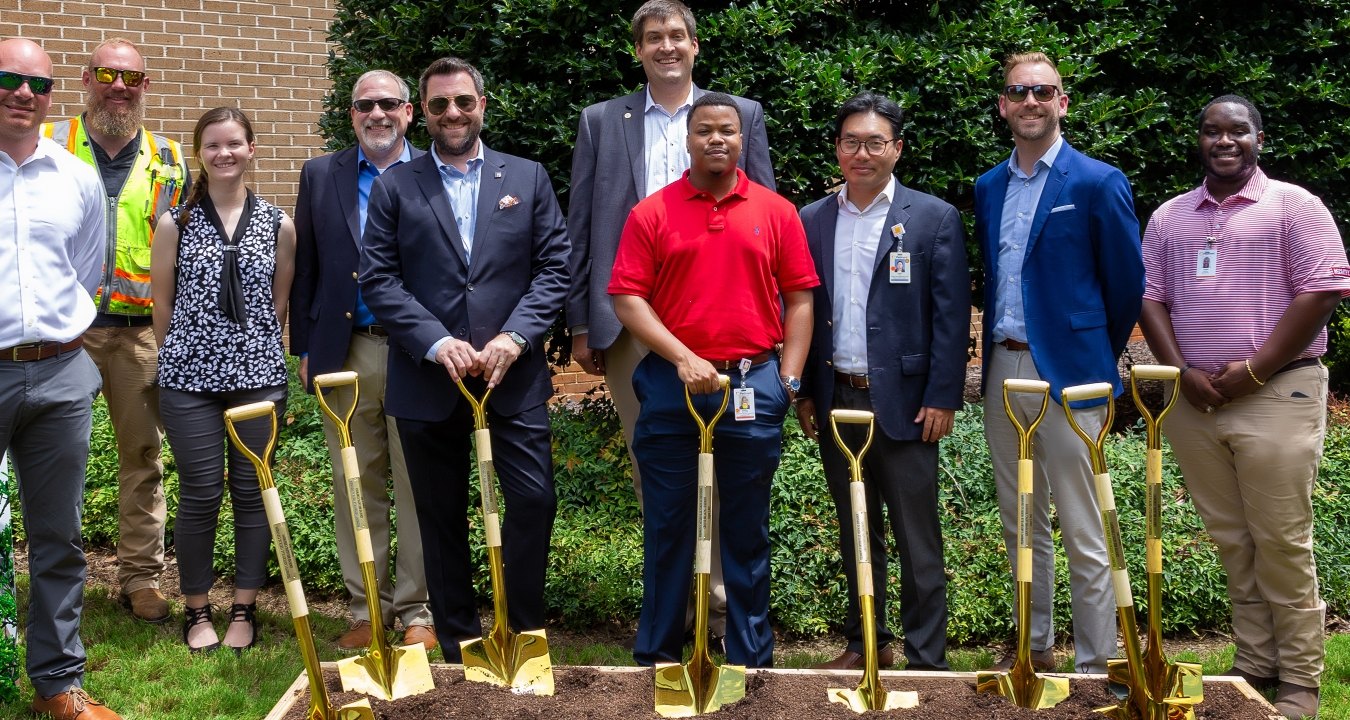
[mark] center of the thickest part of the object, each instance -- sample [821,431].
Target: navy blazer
[1083,276]
[421,287]
[327,252]
[609,177]
[918,334]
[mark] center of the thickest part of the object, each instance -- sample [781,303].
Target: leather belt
[29,352]
[857,382]
[759,359]
[1295,365]
[372,330]
[1016,345]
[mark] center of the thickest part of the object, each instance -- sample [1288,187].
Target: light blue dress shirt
[462,189]
[1019,209]
[366,172]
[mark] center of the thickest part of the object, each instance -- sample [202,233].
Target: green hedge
[595,566]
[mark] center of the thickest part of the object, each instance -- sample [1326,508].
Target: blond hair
[1030,58]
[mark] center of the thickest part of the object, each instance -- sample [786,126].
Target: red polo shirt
[713,271]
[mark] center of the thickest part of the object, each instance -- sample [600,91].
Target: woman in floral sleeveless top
[221,272]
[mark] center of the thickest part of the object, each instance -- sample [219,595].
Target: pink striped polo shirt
[1272,241]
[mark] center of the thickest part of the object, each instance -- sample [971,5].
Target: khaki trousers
[1250,468]
[128,361]
[379,454]
[621,359]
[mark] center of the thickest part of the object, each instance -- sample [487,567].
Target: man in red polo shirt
[712,274]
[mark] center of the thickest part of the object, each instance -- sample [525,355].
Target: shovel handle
[250,412]
[705,428]
[340,421]
[853,417]
[1152,422]
[477,404]
[335,379]
[1012,386]
[1091,391]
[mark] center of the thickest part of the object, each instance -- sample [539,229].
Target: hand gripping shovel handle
[703,520]
[320,707]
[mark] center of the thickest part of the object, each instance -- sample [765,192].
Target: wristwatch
[792,383]
[516,338]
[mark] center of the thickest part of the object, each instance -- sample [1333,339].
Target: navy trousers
[665,443]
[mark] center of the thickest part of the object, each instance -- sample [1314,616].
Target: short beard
[113,124]
[382,145]
[458,149]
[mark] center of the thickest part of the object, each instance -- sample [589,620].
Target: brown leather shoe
[1296,702]
[424,634]
[357,637]
[849,660]
[147,604]
[73,704]
[1041,660]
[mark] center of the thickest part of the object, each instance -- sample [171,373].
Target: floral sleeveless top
[204,350]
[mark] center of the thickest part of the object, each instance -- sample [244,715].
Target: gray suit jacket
[609,177]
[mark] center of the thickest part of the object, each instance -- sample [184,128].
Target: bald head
[21,110]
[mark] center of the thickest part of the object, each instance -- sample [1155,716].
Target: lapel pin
[497,175]
[627,115]
[507,201]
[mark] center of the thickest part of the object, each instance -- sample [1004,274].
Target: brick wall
[266,58]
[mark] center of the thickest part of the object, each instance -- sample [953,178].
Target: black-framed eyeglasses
[1042,93]
[850,146]
[386,104]
[12,81]
[440,103]
[108,76]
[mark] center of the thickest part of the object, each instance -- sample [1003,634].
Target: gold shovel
[700,686]
[1175,686]
[320,708]
[504,658]
[870,694]
[1135,704]
[385,672]
[1020,683]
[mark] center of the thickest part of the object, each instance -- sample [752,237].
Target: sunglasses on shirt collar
[12,81]
[108,76]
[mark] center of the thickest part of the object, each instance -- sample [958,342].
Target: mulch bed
[592,694]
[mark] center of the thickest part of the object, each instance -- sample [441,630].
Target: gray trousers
[195,425]
[45,422]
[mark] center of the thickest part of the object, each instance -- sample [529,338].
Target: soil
[595,695]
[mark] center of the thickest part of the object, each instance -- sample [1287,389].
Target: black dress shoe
[849,660]
[247,614]
[193,617]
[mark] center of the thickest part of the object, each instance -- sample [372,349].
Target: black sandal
[193,617]
[249,614]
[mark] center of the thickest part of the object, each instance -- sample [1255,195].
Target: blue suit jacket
[609,177]
[918,334]
[327,253]
[421,287]
[1083,276]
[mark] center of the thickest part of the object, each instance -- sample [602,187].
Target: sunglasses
[440,103]
[386,104]
[108,76]
[1042,93]
[13,81]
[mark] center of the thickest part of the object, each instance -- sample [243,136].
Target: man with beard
[51,246]
[143,175]
[1062,284]
[464,263]
[714,276]
[332,329]
[1243,274]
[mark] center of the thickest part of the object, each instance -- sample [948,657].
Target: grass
[144,671]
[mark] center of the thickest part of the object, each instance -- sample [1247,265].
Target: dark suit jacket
[917,333]
[327,251]
[419,284]
[1083,276]
[609,177]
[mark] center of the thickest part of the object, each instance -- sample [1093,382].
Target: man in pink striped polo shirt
[1242,274]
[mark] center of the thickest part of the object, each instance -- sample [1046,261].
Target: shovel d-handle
[244,413]
[341,420]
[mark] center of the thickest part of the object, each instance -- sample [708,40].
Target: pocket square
[507,201]
[1062,208]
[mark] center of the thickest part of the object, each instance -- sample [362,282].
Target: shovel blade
[407,672]
[680,693]
[359,710]
[865,699]
[1026,690]
[521,662]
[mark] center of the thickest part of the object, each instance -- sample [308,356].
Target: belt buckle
[14,353]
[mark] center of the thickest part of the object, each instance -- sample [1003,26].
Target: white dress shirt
[856,236]
[664,134]
[52,245]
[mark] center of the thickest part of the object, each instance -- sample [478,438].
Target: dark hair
[199,184]
[449,66]
[662,10]
[866,102]
[1252,113]
[713,99]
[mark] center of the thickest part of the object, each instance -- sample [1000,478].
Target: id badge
[1207,263]
[900,268]
[745,403]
